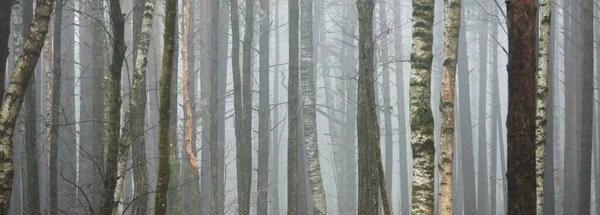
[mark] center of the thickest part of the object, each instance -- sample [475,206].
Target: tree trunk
[465,126]
[113,119]
[190,177]
[223,51]
[308,108]
[6,12]
[274,171]
[174,192]
[451,29]
[548,188]
[262,187]
[213,108]
[521,107]
[293,112]
[55,114]
[495,115]
[402,128]
[162,182]
[541,103]
[387,108]
[482,154]
[421,116]
[205,73]
[16,91]
[587,109]
[29,155]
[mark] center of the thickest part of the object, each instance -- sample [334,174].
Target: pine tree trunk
[113,118]
[213,108]
[542,103]
[587,109]
[451,34]
[293,112]
[482,154]
[162,182]
[308,108]
[521,107]
[16,91]
[420,108]
[262,187]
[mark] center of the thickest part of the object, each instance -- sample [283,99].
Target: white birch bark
[542,103]
[308,107]
[421,117]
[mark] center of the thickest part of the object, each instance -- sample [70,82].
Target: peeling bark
[542,103]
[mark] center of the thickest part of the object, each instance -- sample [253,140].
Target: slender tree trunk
[133,132]
[552,93]
[55,114]
[293,112]
[162,182]
[223,44]
[16,90]
[29,155]
[5,11]
[548,188]
[190,177]
[274,171]
[174,192]
[482,171]
[420,108]
[401,103]
[205,72]
[214,101]
[587,111]
[495,115]
[465,126]
[541,103]
[308,108]
[113,118]
[387,108]
[451,29]
[521,107]
[262,187]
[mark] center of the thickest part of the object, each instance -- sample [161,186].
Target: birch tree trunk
[293,112]
[162,182]
[421,116]
[262,187]
[521,107]
[308,108]
[541,103]
[14,98]
[587,109]
[451,33]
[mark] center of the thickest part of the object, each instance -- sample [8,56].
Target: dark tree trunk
[293,111]
[5,13]
[521,107]
[263,112]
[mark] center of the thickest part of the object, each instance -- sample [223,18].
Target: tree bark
[495,116]
[262,187]
[5,11]
[542,103]
[14,98]
[587,109]
[421,116]
[293,112]
[213,108]
[29,155]
[451,34]
[55,113]
[113,118]
[174,193]
[308,108]
[482,154]
[162,182]
[274,171]
[521,107]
